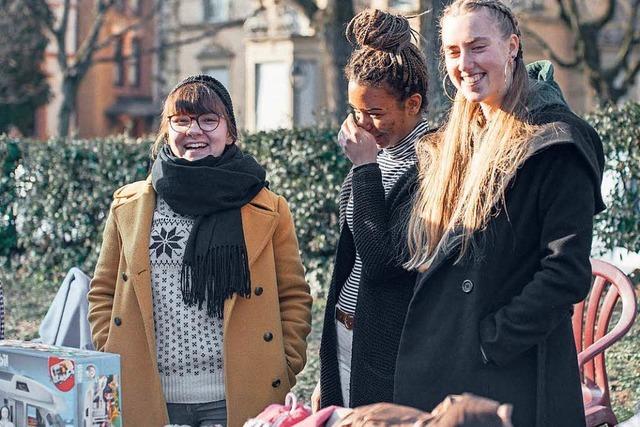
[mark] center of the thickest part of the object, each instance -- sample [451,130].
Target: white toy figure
[5,421]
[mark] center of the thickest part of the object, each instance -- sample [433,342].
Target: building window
[219,73]
[216,10]
[272,86]
[304,76]
[119,62]
[133,64]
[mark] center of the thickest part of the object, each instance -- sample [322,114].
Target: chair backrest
[590,330]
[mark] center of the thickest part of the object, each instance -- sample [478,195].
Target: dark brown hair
[191,98]
[385,54]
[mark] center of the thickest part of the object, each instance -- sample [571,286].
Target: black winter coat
[384,291]
[515,299]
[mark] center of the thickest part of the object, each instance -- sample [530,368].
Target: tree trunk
[438,103]
[67,108]
[338,14]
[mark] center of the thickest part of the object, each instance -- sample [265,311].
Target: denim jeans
[198,414]
[345,340]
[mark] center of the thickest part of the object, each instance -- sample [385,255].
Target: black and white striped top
[393,162]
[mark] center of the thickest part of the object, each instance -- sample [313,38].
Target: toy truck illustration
[50,386]
[30,403]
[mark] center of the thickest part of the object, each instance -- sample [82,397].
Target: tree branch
[64,21]
[631,74]
[168,45]
[628,41]
[607,16]
[573,14]
[563,15]
[138,23]
[549,51]
[59,34]
[87,48]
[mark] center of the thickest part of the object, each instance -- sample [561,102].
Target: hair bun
[379,30]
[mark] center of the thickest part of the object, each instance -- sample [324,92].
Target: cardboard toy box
[43,385]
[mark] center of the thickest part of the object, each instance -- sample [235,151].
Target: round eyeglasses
[182,122]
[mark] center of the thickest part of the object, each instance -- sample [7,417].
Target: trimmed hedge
[619,128]
[54,197]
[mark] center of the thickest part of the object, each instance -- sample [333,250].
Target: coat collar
[134,206]
[133,211]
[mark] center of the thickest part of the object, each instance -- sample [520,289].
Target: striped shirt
[393,162]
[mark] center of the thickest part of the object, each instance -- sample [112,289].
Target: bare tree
[23,84]
[94,45]
[616,27]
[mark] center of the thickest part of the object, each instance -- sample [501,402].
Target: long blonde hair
[464,169]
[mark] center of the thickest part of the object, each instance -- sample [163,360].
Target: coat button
[276,383]
[467,286]
[117,321]
[124,276]
[258,291]
[268,336]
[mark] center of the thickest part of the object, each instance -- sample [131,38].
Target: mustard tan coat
[257,371]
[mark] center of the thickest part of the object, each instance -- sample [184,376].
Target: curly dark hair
[385,54]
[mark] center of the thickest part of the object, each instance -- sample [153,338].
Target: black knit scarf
[213,190]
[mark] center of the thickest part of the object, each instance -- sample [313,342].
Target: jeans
[198,414]
[345,340]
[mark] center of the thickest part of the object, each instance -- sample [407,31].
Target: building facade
[116,94]
[270,54]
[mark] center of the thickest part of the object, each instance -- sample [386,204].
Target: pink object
[286,415]
[318,419]
[592,339]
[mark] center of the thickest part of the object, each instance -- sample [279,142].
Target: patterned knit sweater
[189,344]
[385,288]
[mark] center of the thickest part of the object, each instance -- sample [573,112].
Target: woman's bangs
[194,99]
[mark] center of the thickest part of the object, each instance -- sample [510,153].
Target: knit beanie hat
[214,85]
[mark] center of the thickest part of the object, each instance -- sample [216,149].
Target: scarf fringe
[215,277]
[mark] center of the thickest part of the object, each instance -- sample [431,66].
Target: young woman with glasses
[199,285]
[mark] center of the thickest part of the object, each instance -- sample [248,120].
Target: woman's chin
[193,155]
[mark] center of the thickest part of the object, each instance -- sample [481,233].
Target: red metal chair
[592,339]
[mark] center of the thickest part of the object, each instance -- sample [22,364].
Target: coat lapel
[258,226]
[134,217]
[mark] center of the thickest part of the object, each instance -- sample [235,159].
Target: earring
[444,87]
[508,64]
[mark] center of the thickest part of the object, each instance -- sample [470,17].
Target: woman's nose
[194,127]
[465,62]
[364,121]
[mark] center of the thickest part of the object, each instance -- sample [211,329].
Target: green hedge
[619,128]
[54,197]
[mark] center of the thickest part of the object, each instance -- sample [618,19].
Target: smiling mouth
[473,79]
[195,145]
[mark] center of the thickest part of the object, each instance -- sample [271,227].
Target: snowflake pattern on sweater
[189,343]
